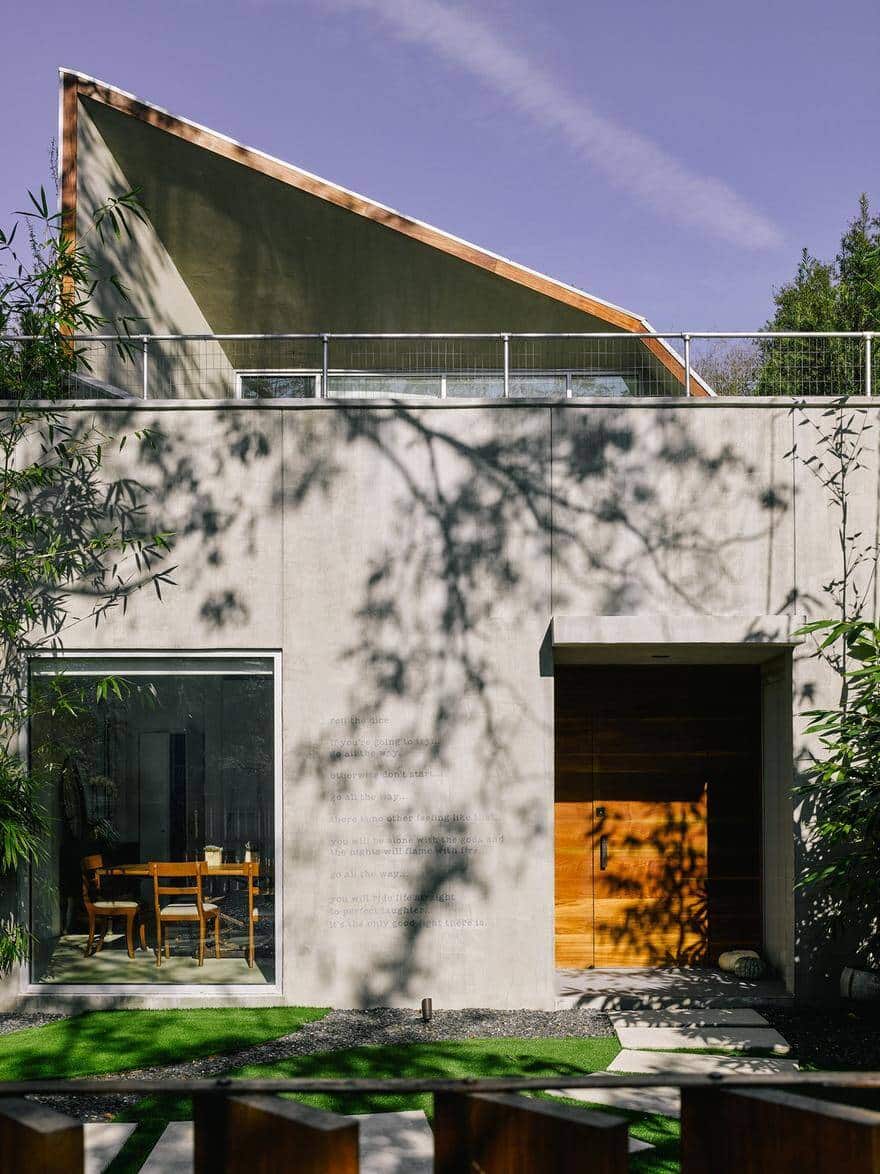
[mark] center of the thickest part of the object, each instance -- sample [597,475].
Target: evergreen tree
[843,294]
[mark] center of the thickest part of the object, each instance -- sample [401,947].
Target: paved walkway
[684,1040]
[664,987]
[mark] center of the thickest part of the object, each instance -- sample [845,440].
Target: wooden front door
[657,814]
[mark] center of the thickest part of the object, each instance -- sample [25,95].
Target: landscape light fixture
[427,1010]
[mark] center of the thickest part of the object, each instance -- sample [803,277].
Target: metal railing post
[868,338]
[506,341]
[325,363]
[145,341]
[687,364]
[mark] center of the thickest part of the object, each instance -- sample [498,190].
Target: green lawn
[112,1041]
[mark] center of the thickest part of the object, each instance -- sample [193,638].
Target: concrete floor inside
[68,964]
[634,988]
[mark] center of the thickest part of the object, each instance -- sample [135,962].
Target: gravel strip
[18,1020]
[352,1029]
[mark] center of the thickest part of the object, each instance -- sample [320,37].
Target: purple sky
[672,158]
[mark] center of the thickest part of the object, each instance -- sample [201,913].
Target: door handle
[603,852]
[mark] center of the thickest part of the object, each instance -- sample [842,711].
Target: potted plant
[843,788]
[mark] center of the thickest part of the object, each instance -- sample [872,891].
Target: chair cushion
[107,905]
[186,910]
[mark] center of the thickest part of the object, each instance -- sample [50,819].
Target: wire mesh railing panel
[479,367]
[806,365]
[729,366]
[615,365]
[389,367]
[406,355]
[811,366]
[56,367]
[272,368]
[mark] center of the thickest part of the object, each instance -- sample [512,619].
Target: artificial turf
[99,1042]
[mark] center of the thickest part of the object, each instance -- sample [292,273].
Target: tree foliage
[843,294]
[844,779]
[75,543]
[838,295]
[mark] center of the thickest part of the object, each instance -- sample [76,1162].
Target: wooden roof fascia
[75,85]
[68,119]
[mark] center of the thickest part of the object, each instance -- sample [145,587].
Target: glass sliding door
[150,763]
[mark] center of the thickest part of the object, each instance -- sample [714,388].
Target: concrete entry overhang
[691,639]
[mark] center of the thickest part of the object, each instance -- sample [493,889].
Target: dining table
[247,870]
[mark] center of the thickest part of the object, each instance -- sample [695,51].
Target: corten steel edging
[121,1086]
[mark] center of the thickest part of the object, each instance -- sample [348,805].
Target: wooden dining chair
[251,872]
[175,912]
[104,910]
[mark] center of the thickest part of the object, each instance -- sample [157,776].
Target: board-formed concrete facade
[420,571]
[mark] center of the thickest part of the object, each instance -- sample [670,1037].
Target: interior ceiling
[261,256]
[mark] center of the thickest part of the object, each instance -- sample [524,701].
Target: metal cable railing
[479,366]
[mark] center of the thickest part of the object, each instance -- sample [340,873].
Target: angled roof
[76,87]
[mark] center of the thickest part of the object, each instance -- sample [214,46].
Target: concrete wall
[159,301]
[408,562]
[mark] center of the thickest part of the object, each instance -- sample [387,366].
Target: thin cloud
[629,160]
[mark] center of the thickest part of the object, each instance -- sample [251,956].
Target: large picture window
[159,774]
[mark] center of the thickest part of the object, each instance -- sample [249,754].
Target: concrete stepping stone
[173,1152]
[690,1017]
[733,1039]
[679,1062]
[635,1145]
[395,1143]
[102,1141]
[666,1101]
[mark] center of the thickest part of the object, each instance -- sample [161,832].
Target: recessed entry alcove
[672,791]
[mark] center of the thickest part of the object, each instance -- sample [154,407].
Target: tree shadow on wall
[657,882]
[472,513]
[438,620]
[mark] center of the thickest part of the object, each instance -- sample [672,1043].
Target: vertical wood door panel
[574,885]
[657,777]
